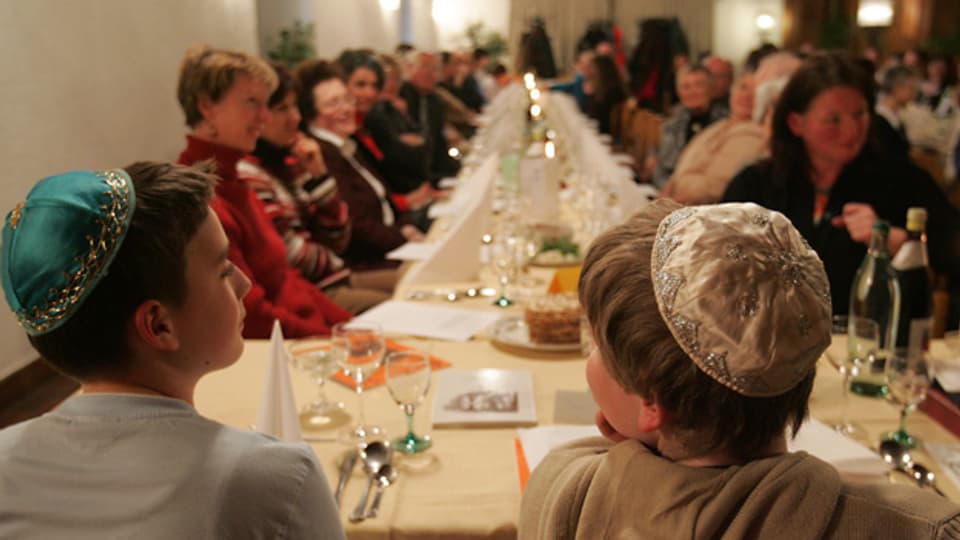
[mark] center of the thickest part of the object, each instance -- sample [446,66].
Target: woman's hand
[421,196]
[307,151]
[411,139]
[412,234]
[858,219]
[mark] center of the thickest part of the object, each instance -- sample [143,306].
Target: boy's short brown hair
[210,72]
[616,291]
[172,202]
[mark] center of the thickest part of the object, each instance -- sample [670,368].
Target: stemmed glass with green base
[908,379]
[407,375]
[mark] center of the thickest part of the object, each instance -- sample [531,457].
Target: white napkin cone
[278,414]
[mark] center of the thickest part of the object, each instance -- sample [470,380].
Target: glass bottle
[875,295]
[913,275]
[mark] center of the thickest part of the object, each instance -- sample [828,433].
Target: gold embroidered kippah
[743,294]
[60,241]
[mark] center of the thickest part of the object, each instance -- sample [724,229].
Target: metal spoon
[374,454]
[897,455]
[385,476]
[925,477]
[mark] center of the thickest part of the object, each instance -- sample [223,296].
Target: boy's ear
[155,327]
[651,416]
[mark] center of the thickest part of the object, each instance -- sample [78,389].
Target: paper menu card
[483,397]
[948,457]
[428,320]
[851,459]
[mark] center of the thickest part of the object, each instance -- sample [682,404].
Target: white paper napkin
[278,415]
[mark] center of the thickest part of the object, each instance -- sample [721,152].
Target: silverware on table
[385,476]
[346,469]
[374,455]
[897,455]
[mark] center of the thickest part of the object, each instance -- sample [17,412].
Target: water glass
[407,375]
[863,337]
[319,363]
[908,379]
[359,348]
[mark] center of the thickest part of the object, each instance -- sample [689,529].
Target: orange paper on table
[523,470]
[565,280]
[377,378]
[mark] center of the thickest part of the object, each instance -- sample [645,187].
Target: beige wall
[89,84]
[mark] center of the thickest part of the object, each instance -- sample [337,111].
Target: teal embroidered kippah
[59,243]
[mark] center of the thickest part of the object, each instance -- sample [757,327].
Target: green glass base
[411,444]
[905,439]
[503,301]
[868,389]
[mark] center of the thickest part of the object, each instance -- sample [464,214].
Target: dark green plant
[493,42]
[293,44]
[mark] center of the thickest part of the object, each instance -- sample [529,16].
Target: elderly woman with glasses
[329,115]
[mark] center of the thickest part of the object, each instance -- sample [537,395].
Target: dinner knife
[346,470]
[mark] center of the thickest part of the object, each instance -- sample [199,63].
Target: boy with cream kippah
[120,279]
[708,323]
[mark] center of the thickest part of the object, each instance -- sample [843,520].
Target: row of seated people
[803,136]
[695,424]
[140,307]
[324,171]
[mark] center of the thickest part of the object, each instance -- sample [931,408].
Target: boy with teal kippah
[121,280]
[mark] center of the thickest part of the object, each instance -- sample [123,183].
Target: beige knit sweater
[594,489]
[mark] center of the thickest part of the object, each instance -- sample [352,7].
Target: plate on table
[512,332]
[555,259]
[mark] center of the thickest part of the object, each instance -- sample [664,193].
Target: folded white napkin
[278,415]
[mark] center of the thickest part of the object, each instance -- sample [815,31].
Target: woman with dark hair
[224,97]
[329,115]
[832,183]
[606,90]
[288,173]
[387,137]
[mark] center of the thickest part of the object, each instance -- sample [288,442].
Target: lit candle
[535,111]
[535,94]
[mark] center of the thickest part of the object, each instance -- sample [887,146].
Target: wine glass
[503,258]
[408,379]
[320,364]
[863,338]
[908,379]
[359,348]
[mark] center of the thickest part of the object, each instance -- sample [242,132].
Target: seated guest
[714,156]
[721,72]
[832,185]
[940,77]
[575,87]
[480,71]
[426,108]
[120,279]
[387,137]
[608,91]
[694,113]
[706,353]
[329,114]
[224,97]
[458,79]
[287,172]
[898,89]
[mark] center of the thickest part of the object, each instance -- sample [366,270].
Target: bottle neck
[878,243]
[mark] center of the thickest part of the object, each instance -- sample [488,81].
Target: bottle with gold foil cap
[913,275]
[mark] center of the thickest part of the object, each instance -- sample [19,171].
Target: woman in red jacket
[224,97]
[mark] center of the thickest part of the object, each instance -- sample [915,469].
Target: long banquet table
[467,484]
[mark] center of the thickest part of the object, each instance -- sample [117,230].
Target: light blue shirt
[129,466]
